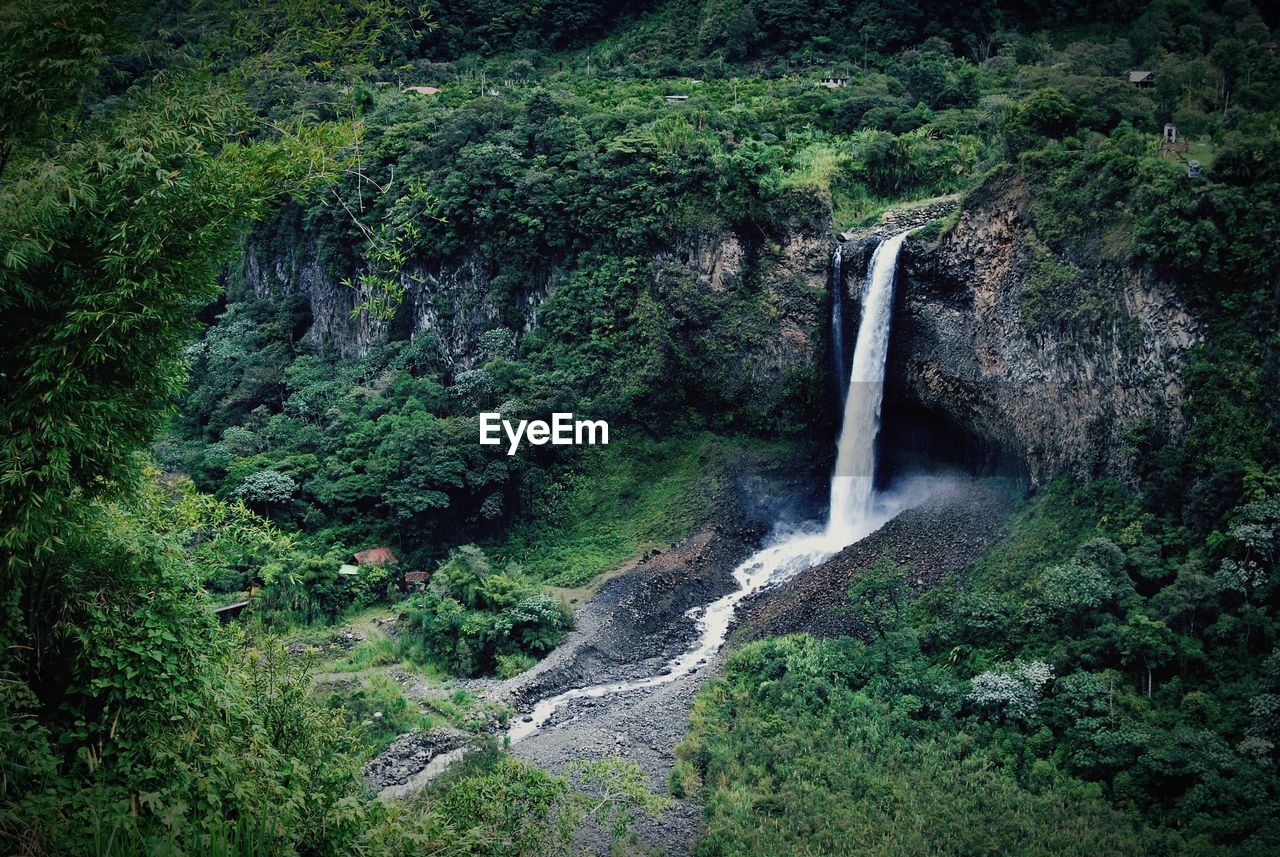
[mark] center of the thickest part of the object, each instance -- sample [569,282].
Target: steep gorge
[743,313]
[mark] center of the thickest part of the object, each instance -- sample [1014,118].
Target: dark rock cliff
[750,314]
[745,311]
[453,301]
[975,378]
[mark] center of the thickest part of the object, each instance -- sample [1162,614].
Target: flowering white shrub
[1012,694]
[1035,674]
[267,486]
[1256,534]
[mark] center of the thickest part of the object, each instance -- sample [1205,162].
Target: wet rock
[1035,399]
[411,753]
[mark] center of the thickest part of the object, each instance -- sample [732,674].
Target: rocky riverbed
[642,613]
[630,630]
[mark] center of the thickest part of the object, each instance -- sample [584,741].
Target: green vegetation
[799,752]
[612,507]
[1081,687]
[472,619]
[181,429]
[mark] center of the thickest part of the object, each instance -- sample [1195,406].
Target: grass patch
[377,711]
[370,654]
[616,502]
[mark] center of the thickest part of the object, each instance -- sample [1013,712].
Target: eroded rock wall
[745,312]
[455,301]
[1060,398]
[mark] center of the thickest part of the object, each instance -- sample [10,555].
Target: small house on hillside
[421,90]
[1142,78]
[676,98]
[834,82]
[348,570]
[376,556]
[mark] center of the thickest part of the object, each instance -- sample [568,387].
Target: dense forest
[262,264]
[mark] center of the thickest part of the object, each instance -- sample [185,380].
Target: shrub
[1013,694]
[267,488]
[472,617]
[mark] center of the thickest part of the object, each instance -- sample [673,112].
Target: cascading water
[854,479]
[852,511]
[837,316]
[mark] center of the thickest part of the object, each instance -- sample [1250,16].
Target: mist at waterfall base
[855,509]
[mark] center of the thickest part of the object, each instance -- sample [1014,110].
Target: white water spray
[837,316]
[854,479]
[853,512]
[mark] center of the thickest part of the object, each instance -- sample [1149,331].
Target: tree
[1255,537]
[879,595]
[45,63]
[112,245]
[1044,113]
[267,488]
[116,220]
[466,571]
[1228,57]
[1090,584]
[1147,642]
[1014,693]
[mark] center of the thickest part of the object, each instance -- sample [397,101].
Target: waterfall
[837,317]
[851,516]
[854,477]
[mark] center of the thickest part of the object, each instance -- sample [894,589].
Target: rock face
[745,314]
[975,381]
[455,301]
[750,317]
[975,378]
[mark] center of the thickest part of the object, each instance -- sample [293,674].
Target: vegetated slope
[1061,670]
[139,140]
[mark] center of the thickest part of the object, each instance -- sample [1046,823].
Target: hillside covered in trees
[263,264]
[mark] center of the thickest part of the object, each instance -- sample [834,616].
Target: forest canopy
[219,381]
